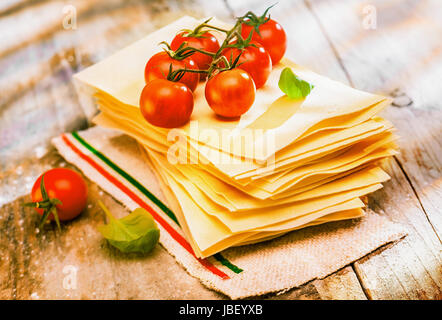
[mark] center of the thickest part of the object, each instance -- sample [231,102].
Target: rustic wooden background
[400,56]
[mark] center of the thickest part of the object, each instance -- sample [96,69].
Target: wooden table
[390,47]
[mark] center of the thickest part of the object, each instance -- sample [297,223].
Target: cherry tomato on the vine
[272,37]
[166,104]
[254,59]
[230,93]
[65,185]
[159,64]
[206,41]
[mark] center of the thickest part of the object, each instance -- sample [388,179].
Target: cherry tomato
[158,68]
[166,104]
[255,60]
[273,38]
[65,185]
[230,93]
[206,42]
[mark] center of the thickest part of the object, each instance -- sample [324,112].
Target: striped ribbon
[175,235]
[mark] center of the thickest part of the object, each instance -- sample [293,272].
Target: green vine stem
[48,205]
[233,39]
[198,32]
[183,51]
[253,20]
[178,74]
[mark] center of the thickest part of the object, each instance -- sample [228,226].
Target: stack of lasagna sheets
[286,164]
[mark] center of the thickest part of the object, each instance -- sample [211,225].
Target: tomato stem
[198,31]
[253,20]
[183,51]
[176,75]
[57,220]
[49,205]
[192,50]
[213,27]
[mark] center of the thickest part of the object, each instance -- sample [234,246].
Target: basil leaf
[292,86]
[136,232]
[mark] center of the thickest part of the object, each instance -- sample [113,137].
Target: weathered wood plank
[9,6]
[420,157]
[98,34]
[411,269]
[342,285]
[100,31]
[27,124]
[37,93]
[40,19]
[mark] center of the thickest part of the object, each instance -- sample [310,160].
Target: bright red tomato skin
[230,93]
[206,42]
[255,60]
[65,185]
[166,104]
[273,38]
[158,68]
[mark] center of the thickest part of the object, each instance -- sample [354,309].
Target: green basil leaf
[292,86]
[136,232]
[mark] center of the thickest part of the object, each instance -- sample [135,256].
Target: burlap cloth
[271,266]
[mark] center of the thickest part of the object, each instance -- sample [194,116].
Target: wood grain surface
[400,56]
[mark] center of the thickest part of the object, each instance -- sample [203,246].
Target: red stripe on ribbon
[175,235]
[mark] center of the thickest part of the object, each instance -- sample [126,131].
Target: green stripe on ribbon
[128,177]
[227,263]
[147,193]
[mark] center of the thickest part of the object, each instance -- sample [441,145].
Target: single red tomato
[272,37]
[158,68]
[206,41]
[254,59]
[166,104]
[230,93]
[65,185]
